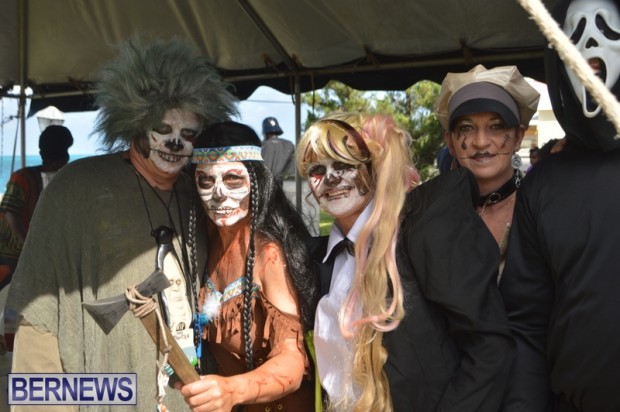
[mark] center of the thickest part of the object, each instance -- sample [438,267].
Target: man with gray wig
[98,227]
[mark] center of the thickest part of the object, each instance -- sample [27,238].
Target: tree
[412,110]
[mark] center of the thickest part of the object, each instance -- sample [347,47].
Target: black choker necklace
[502,193]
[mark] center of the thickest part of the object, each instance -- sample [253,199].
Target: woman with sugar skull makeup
[258,291]
[561,282]
[410,317]
[95,230]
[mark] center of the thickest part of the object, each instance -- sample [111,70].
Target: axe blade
[107,312]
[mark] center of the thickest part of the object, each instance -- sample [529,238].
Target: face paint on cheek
[362,189]
[169,150]
[228,206]
[226,203]
[229,218]
[345,206]
[462,136]
[507,139]
[347,198]
[169,162]
[315,183]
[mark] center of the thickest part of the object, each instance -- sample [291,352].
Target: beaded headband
[226,154]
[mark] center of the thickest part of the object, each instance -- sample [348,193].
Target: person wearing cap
[22,194]
[561,281]
[485,113]
[278,153]
[409,316]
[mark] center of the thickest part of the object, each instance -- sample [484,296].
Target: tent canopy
[55,47]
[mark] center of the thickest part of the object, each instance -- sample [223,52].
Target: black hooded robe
[561,282]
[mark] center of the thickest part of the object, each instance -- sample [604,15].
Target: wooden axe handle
[176,357]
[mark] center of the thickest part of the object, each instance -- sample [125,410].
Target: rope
[141,306]
[574,60]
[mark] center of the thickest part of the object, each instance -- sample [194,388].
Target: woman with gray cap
[485,113]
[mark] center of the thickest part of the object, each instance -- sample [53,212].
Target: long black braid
[193,257]
[249,273]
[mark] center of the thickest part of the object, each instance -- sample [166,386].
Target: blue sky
[263,103]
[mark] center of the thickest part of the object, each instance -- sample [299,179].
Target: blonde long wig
[375,142]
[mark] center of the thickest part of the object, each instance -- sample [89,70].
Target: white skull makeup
[594,27]
[171,142]
[225,191]
[337,187]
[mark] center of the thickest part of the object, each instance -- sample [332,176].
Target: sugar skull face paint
[338,187]
[225,191]
[171,141]
[594,27]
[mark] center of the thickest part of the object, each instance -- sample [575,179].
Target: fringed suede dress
[270,328]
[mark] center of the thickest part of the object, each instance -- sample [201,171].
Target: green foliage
[412,109]
[325,223]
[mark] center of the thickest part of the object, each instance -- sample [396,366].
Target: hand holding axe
[107,312]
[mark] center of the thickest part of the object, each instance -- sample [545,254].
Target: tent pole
[297,137]
[23,50]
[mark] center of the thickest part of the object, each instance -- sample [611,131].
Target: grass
[325,223]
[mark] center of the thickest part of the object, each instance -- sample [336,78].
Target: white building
[543,126]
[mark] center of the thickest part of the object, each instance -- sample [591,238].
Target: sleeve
[279,327]
[527,290]
[14,198]
[456,261]
[49,259]
[39,352]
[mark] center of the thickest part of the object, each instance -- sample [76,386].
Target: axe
[107,312]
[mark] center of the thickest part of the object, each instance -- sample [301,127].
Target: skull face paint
[338,187]
[594,27]
[225,191]
[171,141]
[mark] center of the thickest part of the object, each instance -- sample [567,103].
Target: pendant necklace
[189,272]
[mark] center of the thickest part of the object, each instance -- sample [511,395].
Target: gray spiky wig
[148,79]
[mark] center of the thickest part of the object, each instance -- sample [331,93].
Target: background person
[22,193]
[258,288]
[278,154]
[551,147]
[534,157]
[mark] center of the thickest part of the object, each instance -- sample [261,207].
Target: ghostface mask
[594,27]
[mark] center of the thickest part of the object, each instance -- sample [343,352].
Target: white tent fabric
[369,44]
[56,46]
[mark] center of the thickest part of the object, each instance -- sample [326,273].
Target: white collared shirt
[334,353]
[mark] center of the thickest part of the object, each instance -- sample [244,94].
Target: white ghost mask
[594,27]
